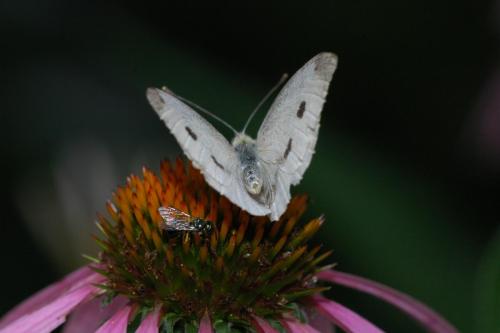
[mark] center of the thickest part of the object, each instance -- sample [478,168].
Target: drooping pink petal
[88,316]
[297,327]
[48,294]
[150,323]
[205,324]
[343,317]
[117,323]
[415,309]
[262,326]
[318,321]
[51,315]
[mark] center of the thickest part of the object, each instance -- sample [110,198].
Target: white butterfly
[256,174]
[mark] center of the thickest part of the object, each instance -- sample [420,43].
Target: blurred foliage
[391,228]
[488,288]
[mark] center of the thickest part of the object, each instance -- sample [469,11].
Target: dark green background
[409,191]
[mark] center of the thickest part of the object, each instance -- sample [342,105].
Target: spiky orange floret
[246,265]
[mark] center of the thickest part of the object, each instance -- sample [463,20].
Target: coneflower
[241,274]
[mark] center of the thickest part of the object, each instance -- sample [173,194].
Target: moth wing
[288,134]
[208,150]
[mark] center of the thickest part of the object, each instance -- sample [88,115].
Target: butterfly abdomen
[253,174]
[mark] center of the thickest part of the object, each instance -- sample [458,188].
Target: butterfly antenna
[196,106]
[280,82]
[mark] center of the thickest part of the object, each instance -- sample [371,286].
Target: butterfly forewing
[288,135]
[205,147]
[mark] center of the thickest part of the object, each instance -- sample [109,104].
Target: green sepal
[276,324]
[168,322]
[92,259]
[133,325]
[191,327]
[304,292]
[297,312]
[222,326]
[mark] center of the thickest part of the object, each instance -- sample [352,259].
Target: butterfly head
[241,139]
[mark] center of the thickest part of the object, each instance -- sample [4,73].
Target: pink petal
[343,317]
[118,323]
[262,326]
[415,309]
[48,294]
[150,323]
[50,316]
[296,327]
[88,316]
[205,324]
[318,321]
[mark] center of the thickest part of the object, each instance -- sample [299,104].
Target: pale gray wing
[288,134]
[209,151]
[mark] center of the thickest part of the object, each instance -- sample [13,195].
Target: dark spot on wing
[288,148]
[191,133]
[217,162]
[302,109]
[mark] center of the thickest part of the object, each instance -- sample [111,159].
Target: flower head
[244,266]
[228,271]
